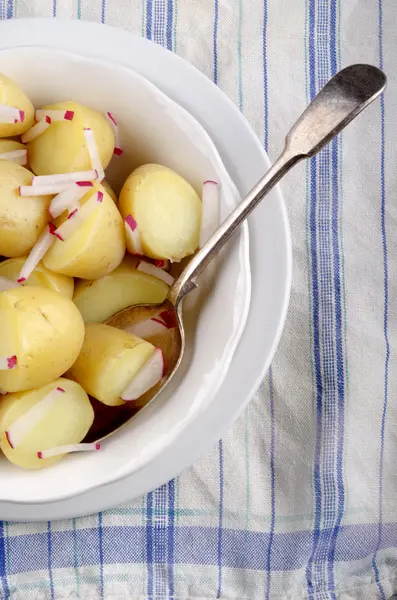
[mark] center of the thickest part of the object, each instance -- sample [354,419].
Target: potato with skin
[96,248]
[44,330]
[167,211]
[41,276]
[12,95]
[22,219]
[67,422]
[125,286]
[109,359]
[62,147]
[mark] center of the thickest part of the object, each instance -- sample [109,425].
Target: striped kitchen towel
[300,499]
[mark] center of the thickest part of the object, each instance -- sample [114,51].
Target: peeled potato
[108,361]
[110,191]
[62,148]
[95,248]
[66,422]
[22,219]
[167,210]
[44,330]
[12,95]
[10,146]
[41,276]
[125,286]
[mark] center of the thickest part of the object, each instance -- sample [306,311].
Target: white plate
[270,250]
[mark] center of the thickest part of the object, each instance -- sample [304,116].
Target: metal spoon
[338,103]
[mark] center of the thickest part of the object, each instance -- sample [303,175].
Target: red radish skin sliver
[210,211]
[68,199]
[50,452]
[75,220]
[151,373]
[162,264]
[36,130]
[148,328]
[169,317]
[26,422]
[55,115]
[10,114]
[78,176]
[43,244]
[7,284]
[150,269]
[118,151]
[42,190]
[8,363]
[133,235]
[93,151]
[17,156]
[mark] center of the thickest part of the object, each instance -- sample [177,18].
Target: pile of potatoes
[53,335]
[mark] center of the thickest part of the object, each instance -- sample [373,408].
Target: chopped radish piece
[10,114]
[36,130]
[7,284]
[42,190]
[44,242]
[133,235]
[65,178]
[210,211]
[169,318]
[150,374]
[150,269]
[69,197]
[147,328]
[55,115]
[26,422]
[17,156]
[162,264]
[118,151]
[8,363]
[77,217]
[68,449]
[93,151]
[3,392]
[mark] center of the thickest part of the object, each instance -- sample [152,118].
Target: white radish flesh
[7,363]
[55,115]
[42,190]
[50,452]
[18,156]
[118,151]
[69,197]
[148,328]
[36,130]
[150,374]
[150,269]
[44,242]
[210,214]
[133,235]
[93,151]
[22,426]
[7,284]
[78,216]
[65,178]
[10,114]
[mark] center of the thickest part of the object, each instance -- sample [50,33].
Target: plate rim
[59,509]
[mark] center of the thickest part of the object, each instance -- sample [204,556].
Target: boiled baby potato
[22,219]
[12,95]
[62,147]
[41,276]
[66,421]
[110,191]
[45,332]
[108,361]
[125,286]
[10,146]
[95,248]
[167,211]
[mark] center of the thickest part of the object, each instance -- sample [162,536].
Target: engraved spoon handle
[338,103]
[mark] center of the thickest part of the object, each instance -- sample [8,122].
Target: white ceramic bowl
[154,129]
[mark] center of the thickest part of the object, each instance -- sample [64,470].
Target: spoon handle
[338,103]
